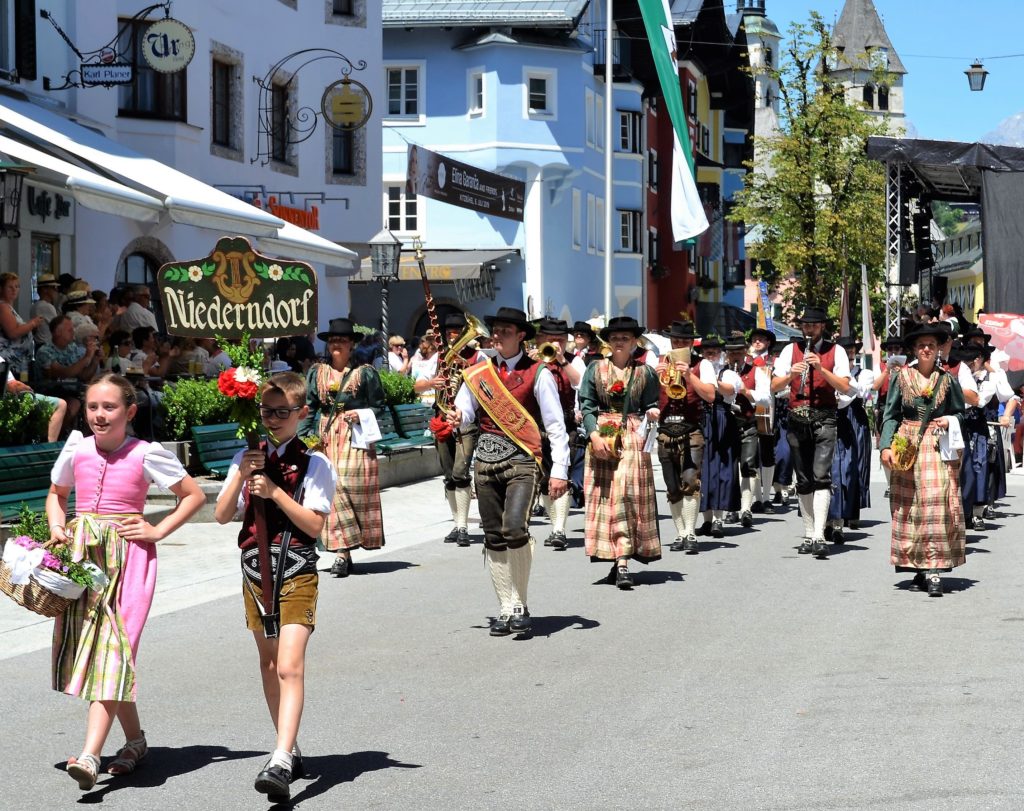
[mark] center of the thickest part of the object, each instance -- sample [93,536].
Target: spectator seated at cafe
[154,357]
[79,308]
[66,361]
[219,359]
[61,407]
[298,351]
[16,342]
[191,359]
[45,307]
[136,313]
[117,353]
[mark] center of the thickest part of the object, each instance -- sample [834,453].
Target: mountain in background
[1010,132]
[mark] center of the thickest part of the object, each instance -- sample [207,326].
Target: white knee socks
[677,517]
[501,578]
[822,498]
[520,562]
[463,498]
[453,505]
[767,474]
[807,513]
[558,512]
[691,506]
[747,484]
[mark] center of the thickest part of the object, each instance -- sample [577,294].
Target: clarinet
[802,390]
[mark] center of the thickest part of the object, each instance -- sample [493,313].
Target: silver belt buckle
[492,448]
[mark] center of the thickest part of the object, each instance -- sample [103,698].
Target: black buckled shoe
[623,579]
[520,622]
[767,508]
[500,626]
[547,540]
[837,535]
[917,584]
[452,536]
[690,545]
[934,586]
[341,566]
[747,518]
[558,542]
[777,498]
[463,537]
[732,517]
[805,547]
[274,781]
[979,524]
[757,507]
[829,531]
[298,767]
[678,544]
[820,549]
[717,530]
[989,512]
[704,529]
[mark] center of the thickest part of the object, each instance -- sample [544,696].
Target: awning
[88,188]
[186,200]
[442,266]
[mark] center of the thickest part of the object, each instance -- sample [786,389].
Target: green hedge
[398,389]
[23,419]
[192,402]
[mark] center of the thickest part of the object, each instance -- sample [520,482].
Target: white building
[93,210]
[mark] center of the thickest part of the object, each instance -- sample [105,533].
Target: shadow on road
[840,548]
[383,566]
[546,626]
[658,577]
[328,771]
[710,546]
[162,764]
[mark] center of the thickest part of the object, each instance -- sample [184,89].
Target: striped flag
[867,328]
[688,218]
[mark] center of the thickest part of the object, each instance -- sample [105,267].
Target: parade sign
[168,46]
[450,181]
[235,291]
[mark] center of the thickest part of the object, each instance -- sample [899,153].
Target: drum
[763,420]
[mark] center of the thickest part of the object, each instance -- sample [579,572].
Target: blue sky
[938,100]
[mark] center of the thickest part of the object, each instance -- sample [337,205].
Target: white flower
[195,273]
[244,374]
[275,272]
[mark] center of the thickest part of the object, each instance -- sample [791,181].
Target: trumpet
[671,380]
[548,352]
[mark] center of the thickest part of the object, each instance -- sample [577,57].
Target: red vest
[566,393]
[817,393]
[690,408]
[520,385]
[748,374]
[285,472]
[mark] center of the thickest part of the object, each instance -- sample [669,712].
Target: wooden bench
[216,446]
[413,422]
[25,477]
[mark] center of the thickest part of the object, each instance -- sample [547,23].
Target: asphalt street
[746,677]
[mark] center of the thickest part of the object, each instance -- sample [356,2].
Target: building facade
[210,123]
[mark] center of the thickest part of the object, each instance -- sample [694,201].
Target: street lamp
[385,251]
[12,179]
[976,76]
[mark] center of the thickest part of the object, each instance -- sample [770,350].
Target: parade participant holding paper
[617,395]
[340,395]
[920,440]
[96,641]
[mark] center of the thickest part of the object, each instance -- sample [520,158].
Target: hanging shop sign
[107,75]
[459,184]
[168,46]
[235,291]
[346,105]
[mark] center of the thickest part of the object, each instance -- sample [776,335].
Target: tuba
[670,379]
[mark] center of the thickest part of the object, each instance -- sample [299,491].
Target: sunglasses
[280,413]
[398,346]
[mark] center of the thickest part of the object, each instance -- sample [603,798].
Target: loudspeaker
[940,287]
[923,239]
[908,268]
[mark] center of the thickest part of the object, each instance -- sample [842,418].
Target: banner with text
[459,184]
[235,291]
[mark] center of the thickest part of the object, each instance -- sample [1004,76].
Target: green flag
[688,218]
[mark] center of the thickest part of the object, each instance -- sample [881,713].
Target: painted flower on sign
[275,272]
[195,273]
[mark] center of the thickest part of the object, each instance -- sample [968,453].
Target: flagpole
[608,147]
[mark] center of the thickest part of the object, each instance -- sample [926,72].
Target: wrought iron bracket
[104,55]
[300,121]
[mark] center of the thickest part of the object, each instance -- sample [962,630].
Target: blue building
[510,87]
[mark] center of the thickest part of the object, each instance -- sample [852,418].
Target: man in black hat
[455,448]
[979,393]
[555,333]
[755,450]
[814,371]
[588,344]
[851,462]
[680,435]
[511,398]
[761,344]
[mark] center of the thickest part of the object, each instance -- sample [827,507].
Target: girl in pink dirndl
[96,641]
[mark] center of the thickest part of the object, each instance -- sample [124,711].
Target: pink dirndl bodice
[110,483]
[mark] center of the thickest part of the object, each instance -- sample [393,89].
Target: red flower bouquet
[617,389]
[242,385]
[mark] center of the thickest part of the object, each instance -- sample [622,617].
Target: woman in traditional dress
[615,395]
[96,640]
[924,410]
[851,462]
[719,467]
[335,392]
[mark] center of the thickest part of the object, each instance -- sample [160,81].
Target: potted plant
[187,403]
[23,419]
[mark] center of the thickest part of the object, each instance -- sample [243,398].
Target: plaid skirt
[927,516]
[96,639]
[355,519]
[622,513]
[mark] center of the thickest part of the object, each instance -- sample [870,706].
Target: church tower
[763,40]
[862,46]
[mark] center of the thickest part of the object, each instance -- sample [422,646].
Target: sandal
[128,756]
[84,770]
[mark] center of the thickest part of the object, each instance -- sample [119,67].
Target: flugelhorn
[548,352]
[671,380]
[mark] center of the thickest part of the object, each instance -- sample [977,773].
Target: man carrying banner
[814,371]
[510,398]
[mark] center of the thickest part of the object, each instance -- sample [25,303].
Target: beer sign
[236,291]
[168,46]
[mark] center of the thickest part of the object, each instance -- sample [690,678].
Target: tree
[818,203]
